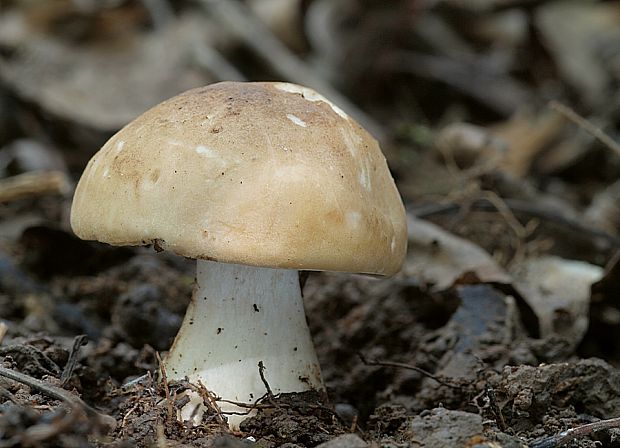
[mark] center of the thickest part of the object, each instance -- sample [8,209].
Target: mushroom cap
[263,174]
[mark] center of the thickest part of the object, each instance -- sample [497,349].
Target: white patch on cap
[393,244]
[106,173]
[365,179]
[353,143]
[174,142]
[120,145]
[309,95]
[298,121]
[354,219]
[209,152]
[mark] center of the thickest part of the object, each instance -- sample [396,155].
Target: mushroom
[255,181]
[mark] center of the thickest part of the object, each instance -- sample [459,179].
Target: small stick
[210,400]
[58,394]
[261,372]
[249,407]
[523,208]
[400,365]
[36,183]
[499,417]
[126,416]
[353,426]
[586,125]
[72,361]
[503,209]
[571,434]
[164,379]
[3,329]
[135,381]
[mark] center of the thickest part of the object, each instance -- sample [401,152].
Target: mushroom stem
[241,315]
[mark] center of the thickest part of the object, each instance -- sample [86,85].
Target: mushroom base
[241,315]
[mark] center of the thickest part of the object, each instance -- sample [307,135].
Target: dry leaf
[527,137]
[441,259]
[105,86]
[583,38]
[558,291]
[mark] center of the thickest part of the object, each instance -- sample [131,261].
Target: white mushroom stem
[240,315]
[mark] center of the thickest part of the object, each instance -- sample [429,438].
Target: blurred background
[457,80]
[445,85]
[500,120]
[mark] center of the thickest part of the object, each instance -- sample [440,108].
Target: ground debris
[558,291]
[74,419]
[344,441]
[299,418]
[23,426]
[442,259]
[527,394]
[148,415]
[442,428]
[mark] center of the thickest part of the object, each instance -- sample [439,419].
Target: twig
[353,426]
[58,394]
[3,329]
[241,21]
[499,417]
[249,407]
[525,208]
[184,383]
[164,379]
[38,361]
[36,183]
[72,361]
[401,365]
[261,372]
[586,125]
[571,434]
[210,399]
[500,204]
[128,413]
[136,381]
[495,90]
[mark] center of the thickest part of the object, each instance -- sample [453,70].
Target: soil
[490,382]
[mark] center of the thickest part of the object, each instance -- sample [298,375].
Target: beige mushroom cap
[263,174]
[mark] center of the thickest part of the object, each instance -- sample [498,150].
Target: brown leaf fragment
[441,259]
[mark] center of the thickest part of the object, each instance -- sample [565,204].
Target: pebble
[345,441]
